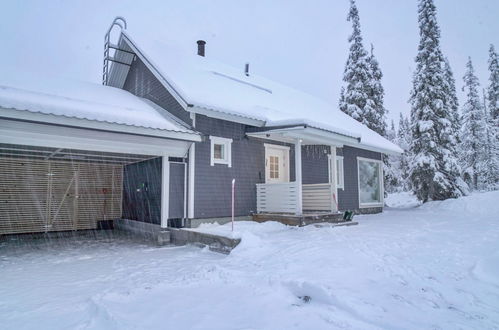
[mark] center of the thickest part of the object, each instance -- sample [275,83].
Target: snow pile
[428,267]
[209,84]
[402,200]
[83,100]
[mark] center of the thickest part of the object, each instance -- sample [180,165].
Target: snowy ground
[434,266]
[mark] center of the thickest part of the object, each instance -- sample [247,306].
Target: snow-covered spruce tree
[354,96]
[493,116]
[491,156]
[377,115]
[453,101]
[473,133]
[392,168]
[362,97]
[493,89]
[391,133]
[404,140]
[434,171]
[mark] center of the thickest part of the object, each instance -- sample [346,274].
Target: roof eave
[32,116]
[225,115]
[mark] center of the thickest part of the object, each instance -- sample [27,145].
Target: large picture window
[370,182]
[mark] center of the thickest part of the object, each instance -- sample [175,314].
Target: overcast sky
[299,43]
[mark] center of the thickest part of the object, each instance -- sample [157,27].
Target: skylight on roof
[243,82]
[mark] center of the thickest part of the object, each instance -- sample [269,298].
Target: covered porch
[296,201]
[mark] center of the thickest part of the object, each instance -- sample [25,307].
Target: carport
[60,172]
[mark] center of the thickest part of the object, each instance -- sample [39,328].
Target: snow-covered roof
[206,83]
[84,100]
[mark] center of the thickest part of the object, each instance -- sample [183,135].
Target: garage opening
[54,189]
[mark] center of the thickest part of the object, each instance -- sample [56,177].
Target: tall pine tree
[452,101]
[404,140]
[363,96]
[391,164]
[493,119]
[355,95]
[491,156]
[493,89]
[434,168]
[377,116]
[473,134]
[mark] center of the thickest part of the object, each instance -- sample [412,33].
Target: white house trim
[43,135]
[314,136]
[340,184]
[332,179]
[227,144]
[192,174]
[298,178]
[382,192]
[165,191]
[179,98]
[93,124]
[219,114]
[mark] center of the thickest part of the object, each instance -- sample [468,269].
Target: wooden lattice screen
[42,196]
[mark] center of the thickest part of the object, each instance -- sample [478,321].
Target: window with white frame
[340,182]
[221,151]
[370,173]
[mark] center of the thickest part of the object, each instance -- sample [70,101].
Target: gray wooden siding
[142,191]
[213,183]
[315,164]
[348,198]
[177,186]
[140,81]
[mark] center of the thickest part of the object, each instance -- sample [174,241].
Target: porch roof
[310,135]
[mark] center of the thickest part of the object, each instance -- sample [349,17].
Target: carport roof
[88,101]
[15,151]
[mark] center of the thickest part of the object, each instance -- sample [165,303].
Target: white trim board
[179,98]
[218,114]
[93,124]
[227,143]
[43,135]
[192,174]
[165,191]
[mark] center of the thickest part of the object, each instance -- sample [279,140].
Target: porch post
[298,178]
[334,184]
[165,191]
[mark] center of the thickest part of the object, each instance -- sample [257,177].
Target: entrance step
[300,220]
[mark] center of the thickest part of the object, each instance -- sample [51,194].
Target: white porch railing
[283,197]
[318,197]
[276,197]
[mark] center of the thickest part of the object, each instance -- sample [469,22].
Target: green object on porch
[348,215]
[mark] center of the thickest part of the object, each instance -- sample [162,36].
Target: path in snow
[434,266]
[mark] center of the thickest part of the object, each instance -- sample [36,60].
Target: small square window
[221,151]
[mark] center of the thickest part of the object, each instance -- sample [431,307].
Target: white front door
[276,163]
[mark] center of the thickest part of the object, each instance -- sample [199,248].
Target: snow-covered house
[173,130]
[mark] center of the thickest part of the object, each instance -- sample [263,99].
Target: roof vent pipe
[246,69]
[201,44]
